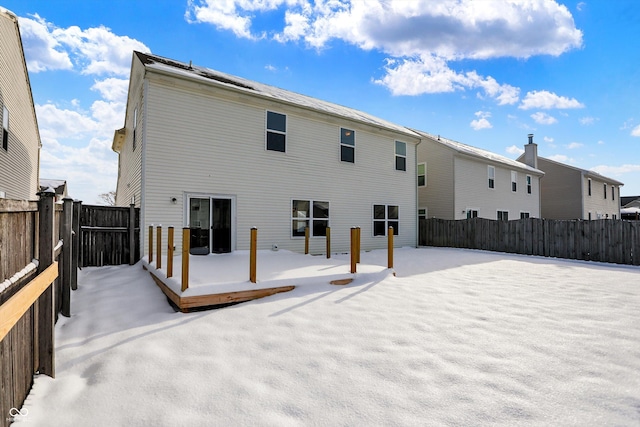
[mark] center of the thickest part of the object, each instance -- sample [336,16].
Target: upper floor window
[135,126]
[5,128]
[422,174]
[309,213]
[589,186]
[385,216]
[491,174]
[613,192]
[276,131]
[401,156]
[605,191]
[528,184]
[514,181]
[347,145]
[503,215]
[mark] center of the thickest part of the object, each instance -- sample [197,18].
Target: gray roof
[480,153]
[191,71]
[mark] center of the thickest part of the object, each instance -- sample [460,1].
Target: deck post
[159,247]
[150,243]
[306,240]
[328,242]
[353,249]
[169,252]
[185,258]
[253,254]
[390,247]
[358,245]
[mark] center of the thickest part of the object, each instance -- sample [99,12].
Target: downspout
[415,182]
[143,162]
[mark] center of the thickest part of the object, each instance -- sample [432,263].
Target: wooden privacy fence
[110,235]
[30,294]
[614,241]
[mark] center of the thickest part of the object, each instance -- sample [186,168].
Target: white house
[221,154]
[458,181]
[19,139]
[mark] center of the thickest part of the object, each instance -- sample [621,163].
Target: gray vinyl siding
[437,196]
[600,207]
[472,190]
[561,190]
[19,165]
[205,140]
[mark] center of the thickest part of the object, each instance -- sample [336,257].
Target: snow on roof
[629,210]
[238,83]
[479,152]
[53,183]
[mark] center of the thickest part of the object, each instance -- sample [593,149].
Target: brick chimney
[531,153]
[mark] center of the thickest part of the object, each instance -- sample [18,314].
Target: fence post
[353,249]
[150,243]
[75,245]
[390,247]
[185,258]
[44,356]
[159,247]
[253,254]
[328,242]
[132,234]
[66,232]
[306,240]
[169,252]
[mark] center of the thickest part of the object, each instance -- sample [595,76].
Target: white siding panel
[200,144]
[438,194]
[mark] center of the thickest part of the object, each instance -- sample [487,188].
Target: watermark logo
[16,414]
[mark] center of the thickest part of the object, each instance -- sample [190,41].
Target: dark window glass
[401,163]
[320,227]
[298,227]
[320,210]
[347,136]
[379,211]
[392,212]
[395,226]
[347,154]
[276,121]
[276,142]
[491,183]
[378,228]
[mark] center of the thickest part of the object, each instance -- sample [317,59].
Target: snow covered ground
[457,338]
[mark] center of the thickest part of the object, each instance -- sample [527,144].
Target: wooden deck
[186,304]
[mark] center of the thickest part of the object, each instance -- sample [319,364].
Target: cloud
[481,122]
[586,121]
[574,145]
[543,118]
[514,150]
[561,158]
[547,100]
[92,51]
[423,38]
[635,131]
[547,139]
[616,170]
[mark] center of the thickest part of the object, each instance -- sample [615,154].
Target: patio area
[217,279]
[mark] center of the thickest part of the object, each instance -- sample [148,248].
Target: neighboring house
[630,201]
[57,185]
[458,181]
[19,139]
[569,192]
[221,154]
[630,207]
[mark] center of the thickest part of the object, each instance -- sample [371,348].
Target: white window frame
[501,213]
[5,128]
[275,131]
[514,181]
[526,215]
[310,219]
[387,220]
[529,184]
[347,145]
[469,213]
[401,156]
[423,215]
[424,184]
[491,177]
[589,187]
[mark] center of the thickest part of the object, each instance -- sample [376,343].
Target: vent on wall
[3,194]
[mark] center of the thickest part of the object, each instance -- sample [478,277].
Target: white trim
[267,130]
[340,144]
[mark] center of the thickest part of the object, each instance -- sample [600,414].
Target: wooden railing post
[44,356]
[358,245]
[353,249]
[169,252]
[328,242]
[186,243]
[159,247]
[66,233]
[390,247]
[132,234]
[150,243]
[75,244]
[306,240]
[253,255]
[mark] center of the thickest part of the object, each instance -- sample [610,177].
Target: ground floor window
[472,213]
[309,213]
[524,215]
[385,216]
[503,215]
[422,213]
